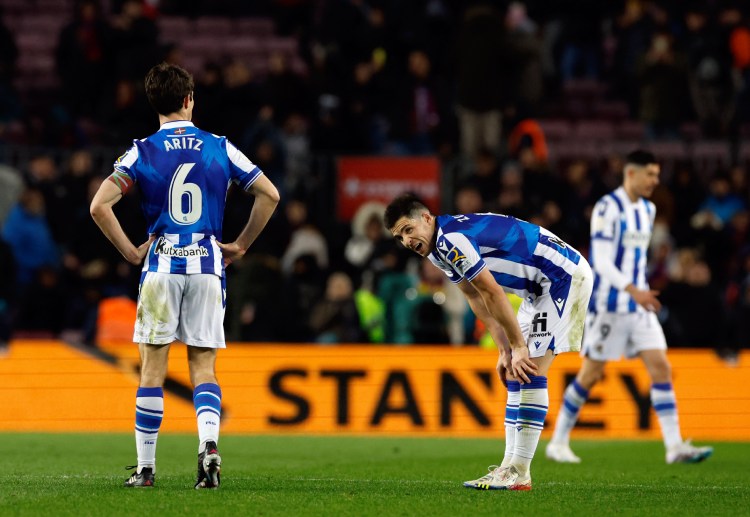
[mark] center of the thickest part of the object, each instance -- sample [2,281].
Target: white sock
[575,397]
[511,415]
[531,413]
[665,404]
[207,402]
[149,410]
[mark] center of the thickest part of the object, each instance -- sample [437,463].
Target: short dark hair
[640,157]
[167,85]
[404,205]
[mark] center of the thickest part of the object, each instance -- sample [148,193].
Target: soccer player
[621,316]
[183,173]
[487,255]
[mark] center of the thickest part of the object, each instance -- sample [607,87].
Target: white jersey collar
[175,124]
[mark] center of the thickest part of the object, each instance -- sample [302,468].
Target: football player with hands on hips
[487,255]
[622,319]
[184,174]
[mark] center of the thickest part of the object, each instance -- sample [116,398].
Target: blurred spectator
[84,59]
[334,318]
[135,38]
[29,236]
[467,199]
[368,233]
[129,115]
[254,305]
[284,90]
[416,110]
[720,205]
[241,99]
[662,76]
[11,186]
[691,303]
[302,287]
[42,173]
[482,66]
[305,240]
[525,53]
[712,87]
[580,40]
[511,200]
[485,175]
[209,88]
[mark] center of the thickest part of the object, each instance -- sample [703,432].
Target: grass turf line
[76,474]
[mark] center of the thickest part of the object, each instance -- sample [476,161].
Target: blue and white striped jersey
[184,174]
[620,234]
[525,259]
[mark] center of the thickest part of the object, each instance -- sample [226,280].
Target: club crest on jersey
[183,143]
[164,247]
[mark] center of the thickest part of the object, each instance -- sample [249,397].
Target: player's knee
[661,371]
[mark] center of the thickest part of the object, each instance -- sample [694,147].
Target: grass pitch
[75,474]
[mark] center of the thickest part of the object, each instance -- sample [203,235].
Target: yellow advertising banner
[414,390]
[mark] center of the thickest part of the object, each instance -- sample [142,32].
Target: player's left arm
[266,200]
[106,197]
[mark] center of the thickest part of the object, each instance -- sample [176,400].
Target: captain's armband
[122,180]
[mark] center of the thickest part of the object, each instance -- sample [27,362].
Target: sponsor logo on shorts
[164,247]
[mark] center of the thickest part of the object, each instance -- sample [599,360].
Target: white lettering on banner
[388,188]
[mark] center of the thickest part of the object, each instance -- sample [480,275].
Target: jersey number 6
[178,189]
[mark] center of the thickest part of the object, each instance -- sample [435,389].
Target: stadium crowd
[467,82]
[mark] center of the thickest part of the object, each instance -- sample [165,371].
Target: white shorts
[545,328]
[609,335]
[188,308]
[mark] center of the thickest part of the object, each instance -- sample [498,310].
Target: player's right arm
[106,197]
[604,221]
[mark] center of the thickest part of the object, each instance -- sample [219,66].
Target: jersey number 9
[178,190]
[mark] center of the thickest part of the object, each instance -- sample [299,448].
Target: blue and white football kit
[552,278]
[620,234]
[184,174]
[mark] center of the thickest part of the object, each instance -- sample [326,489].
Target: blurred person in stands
[334,318]
[622,318]
[482,67]
[84,59]
[27,232]
[691,301]
[662,75]
[135,42]
[487,255]
[184,174]
[712,87]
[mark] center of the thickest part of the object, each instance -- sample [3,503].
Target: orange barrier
[361,389]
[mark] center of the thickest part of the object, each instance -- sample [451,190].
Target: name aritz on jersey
[183,142]
[164,247]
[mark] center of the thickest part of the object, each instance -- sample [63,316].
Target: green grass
[75,474]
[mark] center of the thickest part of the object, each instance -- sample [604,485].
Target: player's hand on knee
[504,367]
[522,365]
